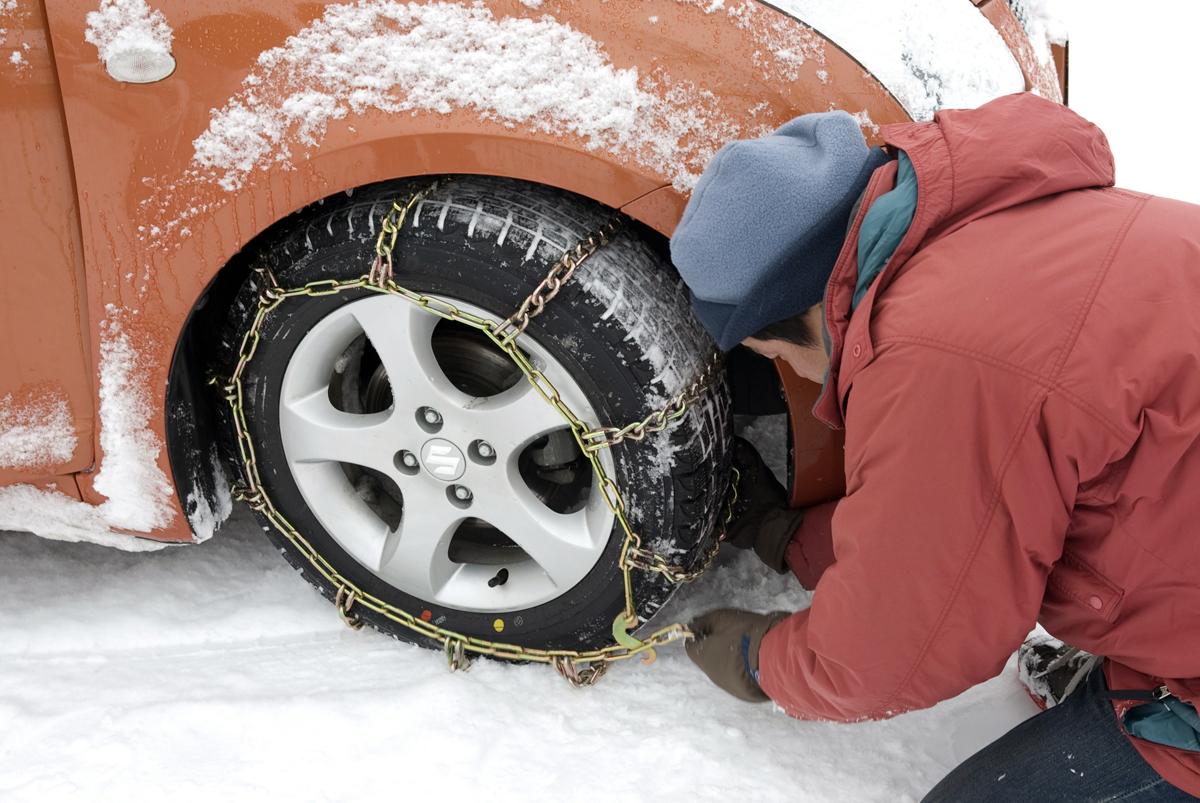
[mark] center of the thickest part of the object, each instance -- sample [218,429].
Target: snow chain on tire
[580,668]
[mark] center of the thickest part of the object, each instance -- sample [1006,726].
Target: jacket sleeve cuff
[810,552]
[776,676]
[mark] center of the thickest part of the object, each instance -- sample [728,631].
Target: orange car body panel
[44,335]
[101,222]
[818,469]
[1040,78]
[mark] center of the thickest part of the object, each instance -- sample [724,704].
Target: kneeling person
[1013,348]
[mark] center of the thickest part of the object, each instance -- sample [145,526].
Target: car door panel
[46,394]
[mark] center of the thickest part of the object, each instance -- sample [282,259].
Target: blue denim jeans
[1075,751]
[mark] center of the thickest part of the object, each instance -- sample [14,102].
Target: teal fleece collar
[884,226]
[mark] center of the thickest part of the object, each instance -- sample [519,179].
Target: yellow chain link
[559,274]
[389,230]
[581,668]
[660,419]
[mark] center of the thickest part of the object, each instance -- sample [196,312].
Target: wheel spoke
[416,556]
[341,511]
[313,430]
[401,334]
[512,419]
[563,544]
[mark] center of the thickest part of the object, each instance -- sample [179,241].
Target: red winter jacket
[1020,391]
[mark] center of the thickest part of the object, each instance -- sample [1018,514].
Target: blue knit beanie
[764,226]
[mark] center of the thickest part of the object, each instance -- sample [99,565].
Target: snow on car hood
[1044,24]
[542,75]
[399,57]
[930,54]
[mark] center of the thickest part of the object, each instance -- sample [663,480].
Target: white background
[1135,73]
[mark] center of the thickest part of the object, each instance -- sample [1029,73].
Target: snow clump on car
[133,41]
[139,493]
[39,432]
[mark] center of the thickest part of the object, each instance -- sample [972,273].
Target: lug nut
[429,419]
[459,496]
[407,462]
[482,452]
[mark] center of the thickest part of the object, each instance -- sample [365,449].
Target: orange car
[193,192]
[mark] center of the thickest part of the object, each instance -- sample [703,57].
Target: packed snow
[206,515]
[138,492]
[216,673]
[930,54]
[124,27]
[37,432]
[405,57]
[52,514]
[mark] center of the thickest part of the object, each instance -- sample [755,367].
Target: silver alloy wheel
[454,479]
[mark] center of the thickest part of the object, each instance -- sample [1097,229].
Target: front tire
[384,477]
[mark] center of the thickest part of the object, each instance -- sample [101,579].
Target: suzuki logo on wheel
[443,459]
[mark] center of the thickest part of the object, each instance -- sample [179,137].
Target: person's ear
[765,348]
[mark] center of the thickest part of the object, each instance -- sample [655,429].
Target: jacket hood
[969,163]
[1015,149]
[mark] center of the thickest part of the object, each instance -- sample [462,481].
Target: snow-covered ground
[215,673]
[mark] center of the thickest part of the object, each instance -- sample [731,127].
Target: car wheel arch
[190,412]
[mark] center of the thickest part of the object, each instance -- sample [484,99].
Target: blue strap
[750,673]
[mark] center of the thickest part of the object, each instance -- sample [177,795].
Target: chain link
[344,601]
[579,675]
[559,274]
[389,230]
[662,418]
[580,668]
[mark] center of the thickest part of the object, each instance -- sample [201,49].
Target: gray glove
[725,648]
